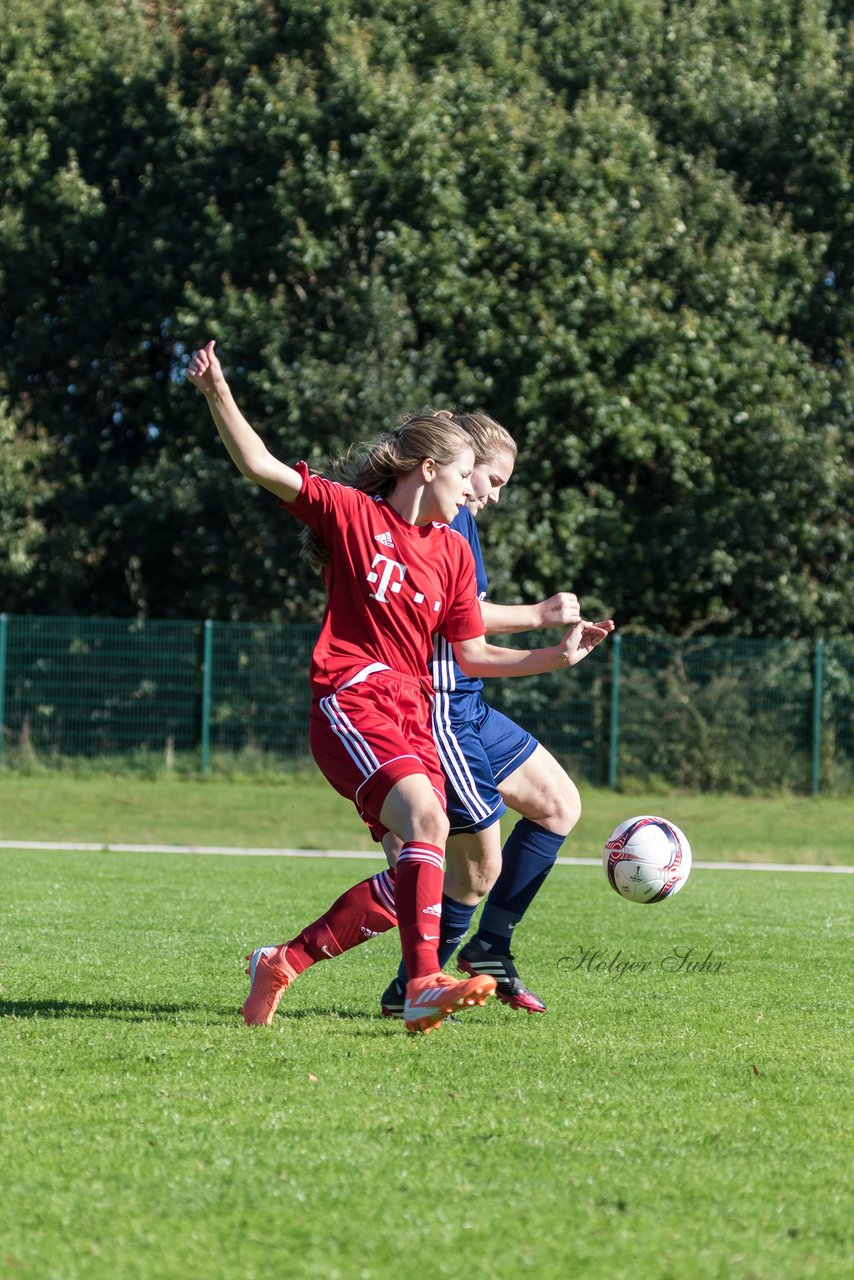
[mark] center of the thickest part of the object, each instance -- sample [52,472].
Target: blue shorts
[476,754]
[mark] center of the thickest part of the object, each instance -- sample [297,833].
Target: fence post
[207,674]
[4,625]
[817,691]
[615,712]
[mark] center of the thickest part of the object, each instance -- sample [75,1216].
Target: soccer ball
[647,859]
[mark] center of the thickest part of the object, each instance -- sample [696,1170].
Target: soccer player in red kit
[396,575]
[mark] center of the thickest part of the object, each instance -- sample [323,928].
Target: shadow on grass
[139,1011]
[333,1013]
[136,1011]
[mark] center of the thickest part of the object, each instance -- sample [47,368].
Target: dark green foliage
[624,229]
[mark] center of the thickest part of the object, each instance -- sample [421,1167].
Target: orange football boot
[429,1000]
[270,976]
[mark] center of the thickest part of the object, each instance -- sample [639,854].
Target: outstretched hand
[583,639]
[205,370]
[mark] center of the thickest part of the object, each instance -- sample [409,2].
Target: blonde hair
[376,468]
[487,437]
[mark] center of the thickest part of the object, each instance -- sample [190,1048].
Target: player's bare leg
[542,791]
[473,864]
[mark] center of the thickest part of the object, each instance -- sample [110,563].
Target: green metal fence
[703,714]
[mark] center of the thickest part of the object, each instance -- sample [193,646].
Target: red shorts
[369,735]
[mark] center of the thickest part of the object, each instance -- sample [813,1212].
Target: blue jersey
[447,676]
[478,746]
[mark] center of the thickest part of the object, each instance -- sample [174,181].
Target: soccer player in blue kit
[490,764]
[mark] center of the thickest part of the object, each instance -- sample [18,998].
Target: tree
[594,221]
[21,491]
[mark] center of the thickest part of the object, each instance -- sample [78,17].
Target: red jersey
[391,585]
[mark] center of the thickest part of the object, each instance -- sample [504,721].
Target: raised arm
[562,610]
[481,660]
[246,448]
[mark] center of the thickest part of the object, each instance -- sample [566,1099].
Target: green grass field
[661,1122]
[303,812]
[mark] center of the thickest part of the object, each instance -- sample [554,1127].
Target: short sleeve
[323,504]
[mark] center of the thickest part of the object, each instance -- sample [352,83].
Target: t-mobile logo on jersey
[390,578]
[384,577]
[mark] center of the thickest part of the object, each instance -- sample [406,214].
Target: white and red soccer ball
[647,859]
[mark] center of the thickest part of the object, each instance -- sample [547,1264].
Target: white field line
[83,846]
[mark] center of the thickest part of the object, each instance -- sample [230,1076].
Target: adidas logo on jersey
[384,538]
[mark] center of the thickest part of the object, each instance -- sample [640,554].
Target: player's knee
[412,810]
[431,824]
[469,881]
[560,803]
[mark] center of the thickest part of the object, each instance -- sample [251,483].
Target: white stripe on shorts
[385,765]
[453,760]
[360,751]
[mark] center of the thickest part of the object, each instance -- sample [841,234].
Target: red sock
[359,914]
[418,892]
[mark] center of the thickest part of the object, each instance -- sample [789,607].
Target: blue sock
[528,856]
[453,927]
